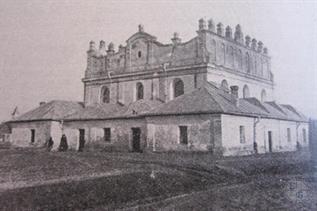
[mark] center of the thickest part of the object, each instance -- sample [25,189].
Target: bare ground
[37,180]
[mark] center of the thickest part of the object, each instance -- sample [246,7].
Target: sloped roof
[113,110]
[5,128]
[211,99]
[207,99]
[53,110]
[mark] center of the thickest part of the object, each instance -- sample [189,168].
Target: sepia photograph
[173,105]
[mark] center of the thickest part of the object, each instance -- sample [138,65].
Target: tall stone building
[213,93]
[145,64]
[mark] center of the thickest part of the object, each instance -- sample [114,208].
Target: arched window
[246,92]
[247,63]
[139,91]
[224,85]
[178,87]
[105,95]
[263,95]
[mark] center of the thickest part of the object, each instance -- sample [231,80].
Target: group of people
[63,146]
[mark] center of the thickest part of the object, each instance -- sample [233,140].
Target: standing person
[50,144]
[63,146]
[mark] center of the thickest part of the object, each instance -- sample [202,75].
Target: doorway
[136,137]
[81,140]
[270,141]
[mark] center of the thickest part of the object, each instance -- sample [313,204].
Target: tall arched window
[263,95]
[224,85]
[105,95]
[247,63]
[178,87]
[139,91]
[246,92]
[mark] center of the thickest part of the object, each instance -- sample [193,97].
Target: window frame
[139,91]
[183,134]
[242,134]
[289,135]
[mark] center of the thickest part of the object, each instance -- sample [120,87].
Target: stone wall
[255,86]
[231,135]
[160,87]
[21,133]
[164,133]
[121,133]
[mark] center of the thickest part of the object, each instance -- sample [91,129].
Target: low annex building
[213,93]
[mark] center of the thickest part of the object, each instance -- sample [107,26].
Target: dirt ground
[38,180]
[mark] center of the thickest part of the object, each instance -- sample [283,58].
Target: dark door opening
[107,134]
[270,141]
[81,140]
[32,135]
[136,136]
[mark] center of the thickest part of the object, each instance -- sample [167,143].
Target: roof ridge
[221,107]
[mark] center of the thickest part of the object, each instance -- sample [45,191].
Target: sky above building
[44,43]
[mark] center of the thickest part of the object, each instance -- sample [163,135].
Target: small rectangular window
[304,135]
[183,135]
[32,135]
[242,134]
[289,138]
[107,134]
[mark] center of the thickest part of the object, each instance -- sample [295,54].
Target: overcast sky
[43,43]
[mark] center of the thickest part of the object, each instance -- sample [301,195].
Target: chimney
[42,103]
[235,93]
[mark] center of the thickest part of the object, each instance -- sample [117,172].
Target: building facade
[213,93]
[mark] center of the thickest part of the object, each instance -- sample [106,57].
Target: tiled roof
[113,110]
[4,128]
[211,99]
[53,110]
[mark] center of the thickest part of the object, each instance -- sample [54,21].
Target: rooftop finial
[260,46]
[141,28]
[253,44]
[202,24]
[247,40]
[92,45]
[228,32]
[176,40]
[211,25]
[238,35]
[220,29]
[102,45]
[110,48]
